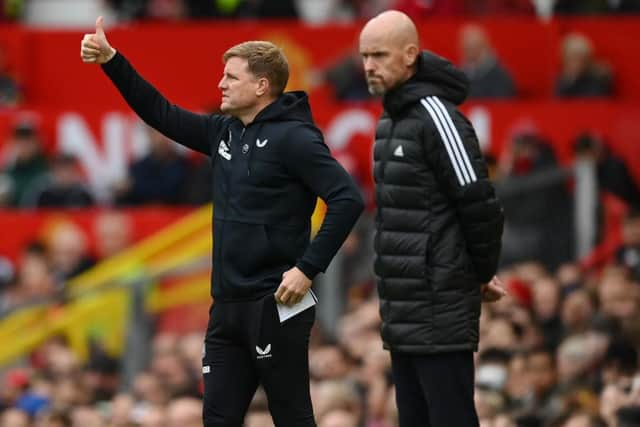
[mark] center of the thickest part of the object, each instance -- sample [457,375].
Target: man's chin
[376,90]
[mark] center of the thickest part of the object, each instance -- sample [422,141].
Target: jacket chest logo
[398,152]
[261,144]
[223,148]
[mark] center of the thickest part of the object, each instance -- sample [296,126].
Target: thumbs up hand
[94,47]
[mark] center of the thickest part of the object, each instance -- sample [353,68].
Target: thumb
[100,28]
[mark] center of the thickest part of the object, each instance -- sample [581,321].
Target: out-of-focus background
[105,243]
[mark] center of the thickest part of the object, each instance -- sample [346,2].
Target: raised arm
[187,128]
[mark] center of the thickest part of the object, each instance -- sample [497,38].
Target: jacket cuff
[309,270]
[113,62]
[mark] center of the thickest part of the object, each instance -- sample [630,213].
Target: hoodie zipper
[226,201]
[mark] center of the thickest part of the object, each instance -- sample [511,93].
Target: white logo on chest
[399,152]
[261,144]
[223,148]
[264,353]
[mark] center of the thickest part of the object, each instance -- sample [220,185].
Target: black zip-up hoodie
[266,178]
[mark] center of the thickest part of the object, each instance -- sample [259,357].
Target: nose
[222,84]
[369,64]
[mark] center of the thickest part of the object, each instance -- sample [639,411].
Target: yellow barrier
[99,298]
[134,257]
[101,317]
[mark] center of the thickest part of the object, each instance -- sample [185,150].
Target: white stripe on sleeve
[465,156]
[452,141]
[445,140]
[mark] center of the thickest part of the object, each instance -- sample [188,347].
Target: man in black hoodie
[269,165]
[438,226]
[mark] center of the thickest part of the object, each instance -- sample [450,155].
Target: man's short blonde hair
[264,59]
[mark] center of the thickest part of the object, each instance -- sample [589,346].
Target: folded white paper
[288,311]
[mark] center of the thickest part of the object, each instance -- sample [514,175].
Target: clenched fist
[95,48]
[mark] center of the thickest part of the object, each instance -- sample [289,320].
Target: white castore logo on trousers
[264,353]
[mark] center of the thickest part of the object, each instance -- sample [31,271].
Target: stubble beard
[376,89]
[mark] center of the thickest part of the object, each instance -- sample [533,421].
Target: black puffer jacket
[439,224]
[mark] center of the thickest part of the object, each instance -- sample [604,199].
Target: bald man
[439,225]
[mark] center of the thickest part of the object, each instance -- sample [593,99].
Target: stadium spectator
[418,9]
[153,416]
[531,182]
[499,7]
[14,418]
[159,177]
[547,299]
[595,7]
[346,78]
[338,418]
[185,412]
[543,398]
[577,311]
[34,281]
[171,10]
[612,171]
[65,187]
[10,93]
[581,75]
[628,254]
[27,168]
[68,252]
[112,229]
[488,78]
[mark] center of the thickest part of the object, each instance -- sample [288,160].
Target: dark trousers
[434,390]
[246,345]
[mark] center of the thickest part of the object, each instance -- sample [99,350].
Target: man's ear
[263,86]
[411,53]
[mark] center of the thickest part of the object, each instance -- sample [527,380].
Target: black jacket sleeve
[305,155]
[182,126]
[452,148]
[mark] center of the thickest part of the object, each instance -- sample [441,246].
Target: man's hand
[95,48]
[493,291]
[293,287]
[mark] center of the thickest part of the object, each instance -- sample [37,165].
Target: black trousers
[246,345]
[434,390]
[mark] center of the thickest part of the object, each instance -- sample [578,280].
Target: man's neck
[248,117]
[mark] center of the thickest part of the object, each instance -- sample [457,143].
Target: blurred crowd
[32,178]
[560,351]
[582,73]
[327,10]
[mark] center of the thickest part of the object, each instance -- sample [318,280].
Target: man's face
[239,87]
[384,62]
[542,375]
